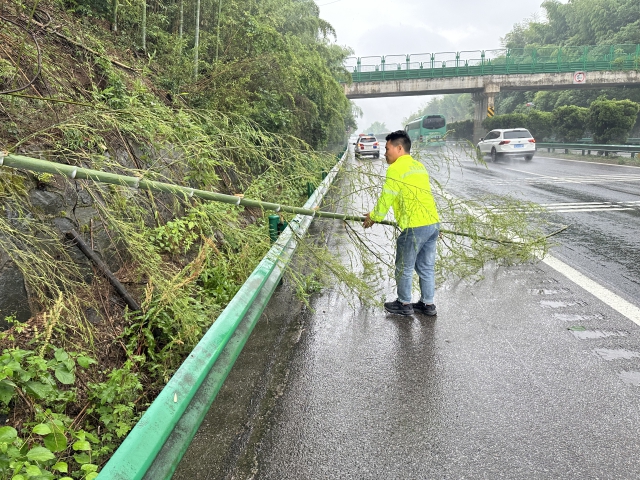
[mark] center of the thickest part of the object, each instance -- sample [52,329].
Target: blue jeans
[416,250]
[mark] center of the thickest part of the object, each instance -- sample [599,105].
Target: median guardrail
[630,141]
[589,147]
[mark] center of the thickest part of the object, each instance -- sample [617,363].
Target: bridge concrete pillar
[481,102]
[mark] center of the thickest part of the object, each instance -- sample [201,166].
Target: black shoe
[425,309]
[398,308]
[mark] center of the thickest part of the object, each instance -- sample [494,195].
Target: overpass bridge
[484,73]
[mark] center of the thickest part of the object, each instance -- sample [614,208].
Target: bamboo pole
[72,172]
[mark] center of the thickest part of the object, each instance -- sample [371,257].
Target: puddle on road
[632,378]
[618,354]
[584,334]
[560,304]
[577,317]
[548,291]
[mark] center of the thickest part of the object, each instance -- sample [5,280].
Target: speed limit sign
[579,78]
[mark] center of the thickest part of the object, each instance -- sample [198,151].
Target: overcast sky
[382,27]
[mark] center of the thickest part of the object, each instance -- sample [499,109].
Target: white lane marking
[575,207]
[568,207]
[592,210]
[570,203]
[603,294]
[586,161]
[571,179]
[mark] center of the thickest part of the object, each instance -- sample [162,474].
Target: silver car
[367,145]
[509,142]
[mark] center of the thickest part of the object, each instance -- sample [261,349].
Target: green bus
[427,131]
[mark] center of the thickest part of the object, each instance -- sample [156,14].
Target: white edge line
[616,302]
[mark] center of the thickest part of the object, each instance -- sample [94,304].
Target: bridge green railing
[550,59]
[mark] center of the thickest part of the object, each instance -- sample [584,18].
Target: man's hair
[400,137]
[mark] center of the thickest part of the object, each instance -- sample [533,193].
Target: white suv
[509,142]
[367,145]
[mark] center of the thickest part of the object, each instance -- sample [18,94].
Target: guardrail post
[281,226]
[274,230]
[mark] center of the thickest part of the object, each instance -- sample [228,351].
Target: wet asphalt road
[601,203]
[522,375]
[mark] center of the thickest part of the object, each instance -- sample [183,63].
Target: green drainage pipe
[69,171]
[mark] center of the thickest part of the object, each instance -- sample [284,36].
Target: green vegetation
[263,117]
[609,121]
[455,108]
[579,22]
[569,122]
[462,130]
[376,127]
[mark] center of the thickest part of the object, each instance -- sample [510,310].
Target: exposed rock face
[13,294]
[63,205]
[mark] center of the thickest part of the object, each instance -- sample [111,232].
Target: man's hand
[367,221]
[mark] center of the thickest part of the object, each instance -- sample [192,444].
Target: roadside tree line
[606,121]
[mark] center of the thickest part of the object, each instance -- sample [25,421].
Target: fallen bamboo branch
[70,171]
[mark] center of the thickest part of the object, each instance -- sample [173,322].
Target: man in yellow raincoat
[407,190]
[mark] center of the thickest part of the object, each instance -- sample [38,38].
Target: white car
[509,142]
[367,145]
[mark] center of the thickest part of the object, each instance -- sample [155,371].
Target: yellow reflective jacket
[407,189]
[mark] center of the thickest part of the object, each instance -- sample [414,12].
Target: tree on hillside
[610,121]
[456,107]
[570,122]
[377,127]
[276,59]
[580,22]
[576,23]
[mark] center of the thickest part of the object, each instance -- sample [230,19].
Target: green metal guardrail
[589,147]
[528,60]
[630,141]
[154,447]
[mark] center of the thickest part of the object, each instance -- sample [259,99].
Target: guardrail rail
[154,447]
[589,147]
